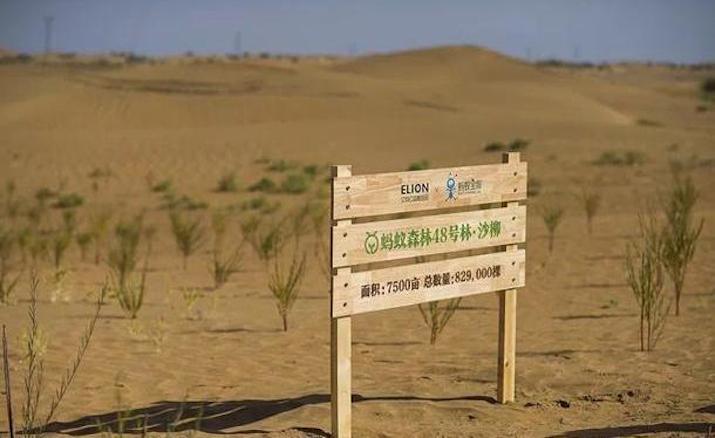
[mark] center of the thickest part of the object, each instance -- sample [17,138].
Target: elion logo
[414,192]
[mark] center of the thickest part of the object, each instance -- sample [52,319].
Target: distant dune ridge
[151,131]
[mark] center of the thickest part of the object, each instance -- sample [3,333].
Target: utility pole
[48,33]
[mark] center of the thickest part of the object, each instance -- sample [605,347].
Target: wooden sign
[468,209]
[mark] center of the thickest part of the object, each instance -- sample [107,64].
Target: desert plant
[518,144]
[163,186]
[60,241]
[35,424]
[552,215]
[190,296]
[224,266]
[295,183]
[436,317]
[285,282]
[266,185]
[680,234]
[644,273]
[99,226]
[418,165]
[7,281]
[707,87]
[130,294]
[227,183]
[123,253]
[591,203]
[280,166]
[68,200]
[188,234]
[266,238]
[83,240]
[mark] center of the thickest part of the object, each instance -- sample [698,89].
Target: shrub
[494,146]
[227,183]
[266,185]
[60,241]
[7,282]
[190,296]
[419,165]
[644,273]
[591,203]
[436,317]
[552,215]
[311,170]
[266,239]
[33,379]
[295,184]
[225,266]
[163,186]
[69,200]
[123,254]
[628,158]
[518,144]
[98,228]
[280,166]
[707,87]
[130,293]
[648,122]
[188,234]
[255,203]
[285,283]
[43,194]
[680,235]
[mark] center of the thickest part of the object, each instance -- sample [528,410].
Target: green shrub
[627,158]
[280,166]
[518,144]
[265,184]
[163,186]
[707,87]
[552,215]
[69,200]
[311,170]
[295,183]
[227,183]
[123,253]
[43,194]
[284,283]
[418,165]
[188,233]
[494,146]
[255,203]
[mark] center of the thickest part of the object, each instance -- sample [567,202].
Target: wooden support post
[507,325]
[340,347]
[8,396]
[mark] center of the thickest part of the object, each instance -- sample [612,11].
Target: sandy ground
[579,371]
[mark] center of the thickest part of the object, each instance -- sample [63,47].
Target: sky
[680,31]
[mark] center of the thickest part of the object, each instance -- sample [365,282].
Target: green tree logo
[371,243]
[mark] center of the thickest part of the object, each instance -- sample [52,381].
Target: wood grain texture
[349,288]
[387,193]
[352,244]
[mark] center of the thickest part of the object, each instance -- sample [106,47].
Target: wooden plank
[387,288]
[387,193]
[506,365]
[403,238]
[340,347]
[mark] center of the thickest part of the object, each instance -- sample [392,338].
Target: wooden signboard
[455,212]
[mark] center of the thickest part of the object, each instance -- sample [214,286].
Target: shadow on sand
[216,417]
[640,429]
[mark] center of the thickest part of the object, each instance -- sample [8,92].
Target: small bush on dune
[295,184]
[265,185]
[44,194]
[436,317]
[163,186]
[123,253]
[266,238]
[130,294]
[84,240]
[644,272]
[627,158]
[708,86]
[69,200]
[680,234]
[419,165]
[495,146]
[311,170]
[552,215]
[518,144]
[223,266]
[188,233]
[591,203]
[7,281]
[227,183]
[280,166]
[35,423]
[285,281]
[98,229]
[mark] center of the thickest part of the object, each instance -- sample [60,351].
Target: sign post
[464,246]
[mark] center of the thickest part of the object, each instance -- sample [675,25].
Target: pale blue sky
[594,30]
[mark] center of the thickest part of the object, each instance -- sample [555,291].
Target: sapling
[188,233]
[7,281]
[285,281]
[644,273]
[680,234]
[123,253]
[60,241]
[83,240]
[552,215]
[266,238]
[130,294]
[591,203]
[436,317]
[99,226]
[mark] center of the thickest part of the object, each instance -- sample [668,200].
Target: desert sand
[579,370]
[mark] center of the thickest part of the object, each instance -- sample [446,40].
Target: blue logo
[451,188]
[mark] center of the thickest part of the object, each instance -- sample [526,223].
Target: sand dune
[191,120]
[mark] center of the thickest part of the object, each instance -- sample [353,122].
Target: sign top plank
[398,192]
